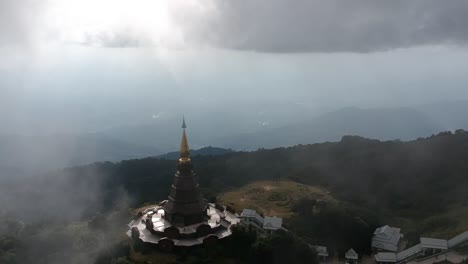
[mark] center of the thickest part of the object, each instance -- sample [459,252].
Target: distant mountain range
[383,124]
[451,115]
[231,132]
[207,151]
[379,123]
[24,153]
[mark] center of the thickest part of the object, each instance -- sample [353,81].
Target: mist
[87,84]
[78,105]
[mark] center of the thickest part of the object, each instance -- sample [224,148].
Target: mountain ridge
[206,151]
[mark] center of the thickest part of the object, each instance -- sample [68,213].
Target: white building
[386,238]
[271,224]
[267,224]
[427,247]
[431,246]
[351,257]
[251,217]
[322,253]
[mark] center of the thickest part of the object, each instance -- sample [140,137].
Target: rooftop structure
[386,238]
[408,253]
[249,213]
[385,257]
[185,205]
[272,223]
[426,248]
[434,243]
[267,223]
[322,252]
[185,219]
[351,256]
[455,241]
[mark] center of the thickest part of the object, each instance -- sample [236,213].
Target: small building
[322,253]
[271,224]
[267,224]
[250,216]
[405,255]
[385,258]
[432,246]
[351,257]
[386,238]
[409,253]
[426,248]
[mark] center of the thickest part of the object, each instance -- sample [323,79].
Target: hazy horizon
[344,121]
[118,67]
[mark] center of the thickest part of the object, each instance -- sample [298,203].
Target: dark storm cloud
[276,25]
[334,25]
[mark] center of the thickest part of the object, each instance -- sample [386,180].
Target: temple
[185,218]
[185,205]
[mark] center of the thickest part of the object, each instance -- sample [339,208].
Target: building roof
[408,252]
[272,222]
[385,257]
[185,204]
[386,238]
[434,243]
[386,229]
[351,254]
[184,146]
[160,224]
[425,243]
[321,251]
[458,239]
[249,213]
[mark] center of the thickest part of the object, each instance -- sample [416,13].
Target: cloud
[279,26]
[16,20]
[21,28]
[112,39]
[330,25]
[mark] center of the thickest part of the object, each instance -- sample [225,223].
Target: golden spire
[184,147]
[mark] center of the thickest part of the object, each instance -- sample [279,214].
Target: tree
[282,247]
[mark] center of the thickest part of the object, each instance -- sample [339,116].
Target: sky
[229,66]
[86,65]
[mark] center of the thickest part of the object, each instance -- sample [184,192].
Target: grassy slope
[277,197]
[273,198]
[459,212]
[268,197]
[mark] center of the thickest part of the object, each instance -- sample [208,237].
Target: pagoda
[185,205]
[185,219]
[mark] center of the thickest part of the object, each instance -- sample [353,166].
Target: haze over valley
[244,130]
[226,131]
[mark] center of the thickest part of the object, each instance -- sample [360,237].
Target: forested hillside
[419,185]
[418,177]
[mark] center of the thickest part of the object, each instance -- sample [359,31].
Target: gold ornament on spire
[184,146]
